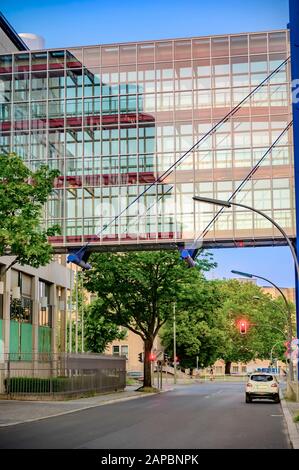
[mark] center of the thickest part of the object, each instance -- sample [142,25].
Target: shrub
[36,384]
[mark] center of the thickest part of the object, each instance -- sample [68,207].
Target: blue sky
[71,23]
[86,22]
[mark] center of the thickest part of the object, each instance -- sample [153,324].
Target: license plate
[262,388]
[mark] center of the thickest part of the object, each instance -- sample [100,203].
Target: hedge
[37,385]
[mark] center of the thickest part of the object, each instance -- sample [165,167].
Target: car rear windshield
[262,378]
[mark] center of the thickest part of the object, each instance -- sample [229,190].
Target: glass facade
[114,118]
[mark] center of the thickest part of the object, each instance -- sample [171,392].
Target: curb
[108,402]
[291,426]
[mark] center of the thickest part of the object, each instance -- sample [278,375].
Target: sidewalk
[17,411]
[290,410]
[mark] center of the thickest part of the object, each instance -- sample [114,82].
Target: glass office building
[114,118]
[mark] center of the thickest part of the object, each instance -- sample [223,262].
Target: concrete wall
[6,45]
[135,346]
[53,272]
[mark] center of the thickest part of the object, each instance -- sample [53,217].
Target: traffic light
[140,358]
[152,357]
[243,327]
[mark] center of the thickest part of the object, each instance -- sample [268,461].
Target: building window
[45,311]
[120,351]
[21,309]
[235,369]
[125,351]
[244,369]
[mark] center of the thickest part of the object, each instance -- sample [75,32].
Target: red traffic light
[152,357]
[243,326]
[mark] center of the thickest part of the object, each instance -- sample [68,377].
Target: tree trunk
[227,367]
[147,365]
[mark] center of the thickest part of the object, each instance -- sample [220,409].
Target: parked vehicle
[261,386]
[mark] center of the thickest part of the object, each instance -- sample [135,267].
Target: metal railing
[54,375]
[222,377]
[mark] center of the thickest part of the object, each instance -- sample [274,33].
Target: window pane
[182,49]
[92,56]
[145,52]
[257,43]
[201,48]
[127,54]
[109,55]
[220,47]
[164,51]
[238,45]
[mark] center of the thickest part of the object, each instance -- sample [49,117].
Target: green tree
[197,328]
[266,319]
[99,329]
[23,193]
[137,291]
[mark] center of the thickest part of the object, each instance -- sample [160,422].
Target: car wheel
[277,399]
[248,399]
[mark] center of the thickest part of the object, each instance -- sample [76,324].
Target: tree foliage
[137,290]
[23,193]
[100,330]
[208,328]
[197,329]
[267,322]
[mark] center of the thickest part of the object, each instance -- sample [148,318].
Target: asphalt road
[201,416]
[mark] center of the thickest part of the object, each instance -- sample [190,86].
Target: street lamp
[288,310]
[219,202]
[271,353]
[174,346]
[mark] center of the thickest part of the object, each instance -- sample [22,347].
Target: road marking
[275,415]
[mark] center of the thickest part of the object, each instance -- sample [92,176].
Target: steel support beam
[294,39]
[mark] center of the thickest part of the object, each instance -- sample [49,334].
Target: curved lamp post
[218,202]
[272,349]
[228,204]
[288,310]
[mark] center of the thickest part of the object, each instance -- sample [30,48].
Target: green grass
[130,381]
[148,390]
[296,419]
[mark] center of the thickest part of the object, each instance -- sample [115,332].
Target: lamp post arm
[275,344]
[270,326]
[276,287]
[276,225]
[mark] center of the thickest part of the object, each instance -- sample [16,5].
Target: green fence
[44,339]
[20,346]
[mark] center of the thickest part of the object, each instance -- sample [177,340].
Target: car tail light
[274,385]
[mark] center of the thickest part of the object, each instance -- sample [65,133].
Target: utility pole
[174,345]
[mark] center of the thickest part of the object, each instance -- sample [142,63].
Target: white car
[261,385]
